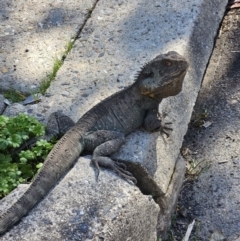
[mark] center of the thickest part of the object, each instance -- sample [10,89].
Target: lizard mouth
[172,87]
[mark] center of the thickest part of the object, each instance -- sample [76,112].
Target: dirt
[211,191]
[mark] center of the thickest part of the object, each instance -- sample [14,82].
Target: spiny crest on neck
[141,71]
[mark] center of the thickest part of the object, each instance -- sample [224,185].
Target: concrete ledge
[79,208]
[169,201]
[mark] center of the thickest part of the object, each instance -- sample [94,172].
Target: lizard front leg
[153,122]
[103,143]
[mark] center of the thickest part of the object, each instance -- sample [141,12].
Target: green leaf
[5,158]
[23,160]
[39,165]
[3,144]
[29,155]
[21,167]
[15,140]
[3,120]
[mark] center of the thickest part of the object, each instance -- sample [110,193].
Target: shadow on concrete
[214,198]
[32,42]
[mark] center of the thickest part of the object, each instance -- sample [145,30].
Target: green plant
[69,45]
[194,169]
[171,236]
[174,219]
[200,117]
[196,235]
[20,167]
[47,81]
[56,66]
[13,95]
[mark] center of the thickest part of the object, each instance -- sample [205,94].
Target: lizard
[102,130]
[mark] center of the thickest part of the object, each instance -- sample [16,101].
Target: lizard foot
[123,166]
[154,122]
[163,126]
[119,168]
[164,129]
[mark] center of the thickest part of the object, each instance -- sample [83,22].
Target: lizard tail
[58,162]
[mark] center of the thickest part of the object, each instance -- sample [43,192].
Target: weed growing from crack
[56,66]
[13,95]
[47,81]
[194,169]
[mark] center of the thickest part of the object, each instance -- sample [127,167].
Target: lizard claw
[164,128]
[123,173]
[123,166]
[119,168]
[154,121]
[95,162]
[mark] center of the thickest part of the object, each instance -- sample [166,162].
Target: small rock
[207,124]
[217,236]
[65,93]
[4,70]
[222,161]
[40,25]
[236,161]
[7,102]
[183,211]
[234,102]
[101,55]
[2,104]
[48,94]
[32,99]
[14,109]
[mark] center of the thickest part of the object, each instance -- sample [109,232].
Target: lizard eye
[168,63]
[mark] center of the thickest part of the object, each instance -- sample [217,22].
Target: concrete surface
[32,35]
[168,203]
[79,208]
[214,199]
[115,42]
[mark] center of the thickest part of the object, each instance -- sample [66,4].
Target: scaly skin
[102,129]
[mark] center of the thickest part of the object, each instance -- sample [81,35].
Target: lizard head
[163,76]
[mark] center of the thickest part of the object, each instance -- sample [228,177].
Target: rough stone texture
[80,208]
[169,201]
[16,108]
[32,35]
[2,104]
